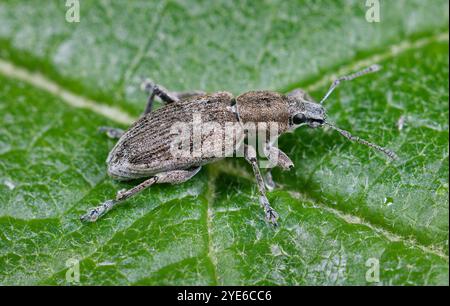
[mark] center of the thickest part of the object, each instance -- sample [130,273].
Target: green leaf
[343,210]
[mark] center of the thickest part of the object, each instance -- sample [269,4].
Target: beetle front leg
[271,214]
[276,157]
[173,177]
[188,94]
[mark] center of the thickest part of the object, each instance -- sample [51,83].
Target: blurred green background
[342,209]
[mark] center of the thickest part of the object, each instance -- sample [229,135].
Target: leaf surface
[343,209]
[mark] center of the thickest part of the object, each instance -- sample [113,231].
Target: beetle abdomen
[152,144]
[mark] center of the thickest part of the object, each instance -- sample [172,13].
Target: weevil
[145,150]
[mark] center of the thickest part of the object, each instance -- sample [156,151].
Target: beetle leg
[149,105]
[156,90]
[188,94]
[165,95]
[172,177]
[111,132]
[278,158]
[271,214]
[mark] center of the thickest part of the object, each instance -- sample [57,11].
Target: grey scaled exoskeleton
[144,151]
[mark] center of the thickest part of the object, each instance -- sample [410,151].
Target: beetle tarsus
[114,133]
[271,215]
[95,213]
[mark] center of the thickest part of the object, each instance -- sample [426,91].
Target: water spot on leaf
[9,184]
[388,201]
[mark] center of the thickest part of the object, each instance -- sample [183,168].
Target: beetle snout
[316,115]
[315,123]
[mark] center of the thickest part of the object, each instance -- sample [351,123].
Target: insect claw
[111,132]
[90,216]
[147,85]
[93,214]
[272,216]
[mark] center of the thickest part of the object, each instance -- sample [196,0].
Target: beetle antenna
[350,77]
[346,134]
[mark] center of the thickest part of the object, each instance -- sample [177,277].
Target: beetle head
[303,110]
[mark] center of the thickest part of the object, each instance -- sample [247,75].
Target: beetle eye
[299,119]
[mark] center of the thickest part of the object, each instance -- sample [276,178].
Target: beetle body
[145,149]
[150,147]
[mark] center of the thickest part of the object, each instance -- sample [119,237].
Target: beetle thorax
[263,107]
